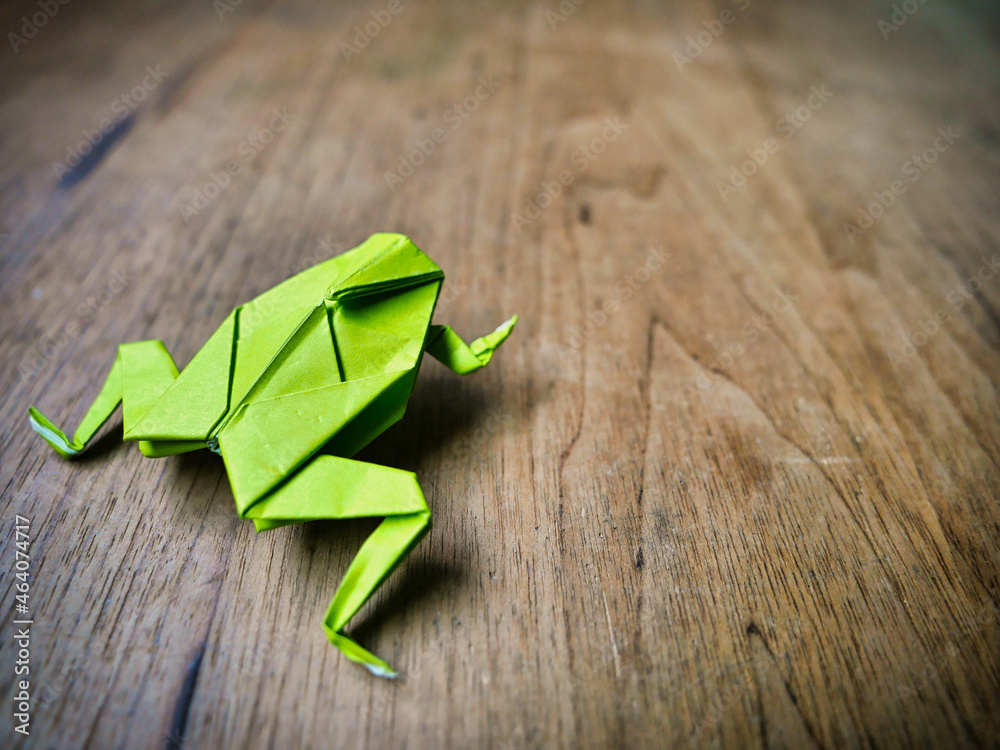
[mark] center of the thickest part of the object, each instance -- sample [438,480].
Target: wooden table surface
[733,480]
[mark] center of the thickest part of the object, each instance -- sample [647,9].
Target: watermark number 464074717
[22,626]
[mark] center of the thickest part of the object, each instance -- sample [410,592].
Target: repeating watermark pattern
[30,25]
[251,662]
[786,126]
[563,11]
[454,117]
[599,660]
[919,682]
[912,686]
[174,740]
[714,27]
[51,689]
[363,35]
[808,541]
[805,544]
[22,624]
[450,292]
[592,666]
[222,7]
[247,663]
[324,249]
[246,152]
[900,15]
[722,701]
[122,108]
[495,422]
[53,343]
[914,168]
[595,667]
[624,290]
[581,159]
[957,297]
[750,332]
[382,700]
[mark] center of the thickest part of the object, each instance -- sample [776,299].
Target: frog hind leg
[331,487]
[142,371]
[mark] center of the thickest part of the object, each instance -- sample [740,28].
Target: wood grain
[734,479]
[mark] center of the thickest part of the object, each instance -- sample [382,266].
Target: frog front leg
[331,487]
[142,371]
[447,346]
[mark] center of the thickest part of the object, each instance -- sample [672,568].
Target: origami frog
[290,386]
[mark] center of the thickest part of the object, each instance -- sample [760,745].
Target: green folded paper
[290,386]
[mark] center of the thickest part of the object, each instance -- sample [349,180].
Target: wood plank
[734,479]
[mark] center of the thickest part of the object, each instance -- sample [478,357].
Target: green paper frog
[290,386]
